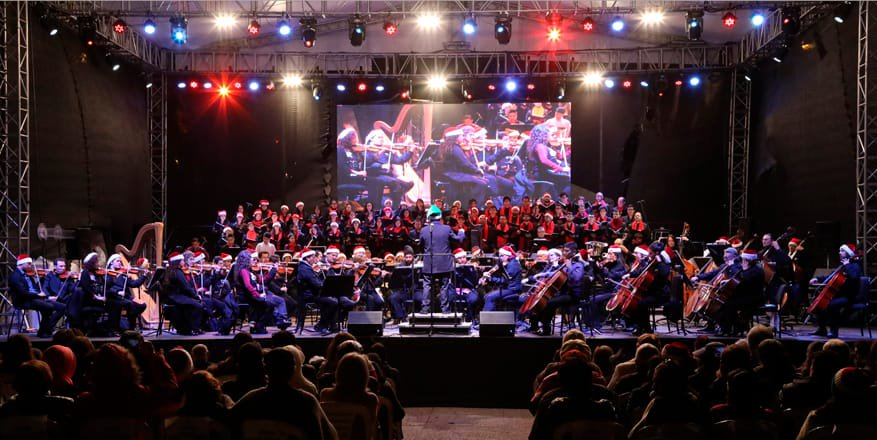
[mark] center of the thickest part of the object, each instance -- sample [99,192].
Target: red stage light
[309,43]
[553,34]
[90,42]
[627,84]
[588,24]
[361,87]
[390,28]
[729,20]
[254,28]
[193,84]
[404,94]
[223,91]
[531,86]
[238,85]
[678,83]
[491,87]
[119,26]
[469,97]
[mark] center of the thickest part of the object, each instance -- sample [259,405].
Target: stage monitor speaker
[494,324]
[365,324]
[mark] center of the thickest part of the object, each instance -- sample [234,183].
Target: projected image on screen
[408,152]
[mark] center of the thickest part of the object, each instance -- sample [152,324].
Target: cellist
[656,291]
[578,280]
[748,294]
[832,315]
[730,268]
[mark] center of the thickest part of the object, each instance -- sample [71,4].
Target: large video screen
[452,151]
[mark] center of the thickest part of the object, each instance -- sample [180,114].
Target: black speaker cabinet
[365,324]
[494,324]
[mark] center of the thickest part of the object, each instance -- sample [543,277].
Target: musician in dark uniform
[57,284]
[180,291]
[779,261]
[578,279]
[848,293]
[656,293]
[380,175]
[26,294]
[310,286]
[611,270]
[225,307]
[119,297]
[244,281]
[87,300]
[538,162]
[466,283]
[438,263]
[749,293]
[505,288]
[408,290]
[460,166]
[730,266]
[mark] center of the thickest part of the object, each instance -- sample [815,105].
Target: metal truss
[131,43]
[14,137]
[761,41]
[156,123]
[738,149]
[474,64]
[866,142]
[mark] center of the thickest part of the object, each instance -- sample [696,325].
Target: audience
[62,361]
[250,372]
[33,384]
[351,384]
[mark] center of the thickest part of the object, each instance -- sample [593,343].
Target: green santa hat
[433,212]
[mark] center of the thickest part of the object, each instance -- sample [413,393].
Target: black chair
[864,306]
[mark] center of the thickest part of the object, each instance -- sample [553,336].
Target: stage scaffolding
[738,148]
[866,141]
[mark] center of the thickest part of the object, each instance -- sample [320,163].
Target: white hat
[849,249]
[221,212]
[282,207]
[616,249]
[299,204]
[227,229]
[333,225]
[89,257]
[176,256]
[555,251]
[750,255]
[276,225]
[507,251]
[459,253]
[113,258]
[358,249]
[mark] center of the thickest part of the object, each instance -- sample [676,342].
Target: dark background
[90,155]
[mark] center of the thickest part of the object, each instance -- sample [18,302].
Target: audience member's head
[812,348]
[602,357]
[180,362]
[708,356]
[202,393]
[841,348]
[65,336]
[62,361]
[250,364]
[679,353]
[573,333]
[352,374]
[575,378]
[200,357]
[851,384]
[282,338]
[379,349]
[700,341]
[346,347]
[648,338]
[33,378]
[280,365]
[670,380]
[577,348]
[743,389]
[16,350]
[757,334]
[824,366]
[644,354]
[114,370]
[130,339]
[734,357]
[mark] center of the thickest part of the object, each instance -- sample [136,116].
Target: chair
[195,428]
[352,421]
[745,429]
[588,429]
[842,432]
[270,430]
[21,314]
[864,308]
[118,429]
[675,431]
[29,427]
[305,310]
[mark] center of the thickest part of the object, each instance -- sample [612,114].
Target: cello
[631,292]
[544,291]
[832,285]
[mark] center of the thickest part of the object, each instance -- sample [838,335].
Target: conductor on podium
[438,261]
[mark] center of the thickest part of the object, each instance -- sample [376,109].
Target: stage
[469,370]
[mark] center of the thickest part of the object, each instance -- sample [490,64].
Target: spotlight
[502,29]
[644,84]
[694,81]
[511,85]
[292,80]
[223,91]
[193,85]
[560,90]
[356,30]
[469,26]
[781,53]
[181,85]
[405,91]
[553,34]
[308,27]
[149,85]
[491,87]
[757,19]
[224,21]
[362,87]
[436,82]
[429,20]
[465,92]
[677,83]
[617,24]
[379,88]
[284,28]
[254,28]
[531,86]
[627,84]
[253,85]
[390,27]
[179,32]
[53,32]
[588,24]
[207,85]
[149,26]
[114,62]
[729,20]
[269,86]
[317,92]
[694,25]
[237,84]
[747,77]
[842,11]
[652,18]
[791,16]
[608,83]
[119,26]
[340,87]
[592,78]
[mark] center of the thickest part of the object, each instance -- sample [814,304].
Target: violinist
[368,281]
[505,288]
[379,158]
[748,294]
[309,288]
[848,293]
[649,259]
[245,282]
[333,266]
[466,283]
[225,308]
[59,282]
[181,291]
[276,288]
[24,285]
[408,290]
[460,165]
[774,257]
[88,295]
[217,313]
[119,297]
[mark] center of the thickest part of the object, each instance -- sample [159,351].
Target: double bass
[832,285]
[544,291]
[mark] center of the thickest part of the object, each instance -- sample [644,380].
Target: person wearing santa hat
[119,297]
[180,291]
[220,223]
[224,307]
[197,246]
[263,209]
[357,235]
[310,288]
[733,316]
[507,286]
[248,286]
[407,289]
[465,284]
[26,291]
[438,261]
[848,294]
[649,258]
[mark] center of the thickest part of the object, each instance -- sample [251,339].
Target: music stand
[338,286]
[154,285]
[428,152]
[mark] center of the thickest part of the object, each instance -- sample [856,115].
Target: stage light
[149,85]
[791,16]
[502,29]
[469,26]
[694,25]
[119,26]
[781,53]
[284,28]
[254,28]
[224,21]
[491,87]
[747,77]
[729,20]
[627,84]
[588,24]
[253,86]
[362,87]
[757,19]
[560,89]
[356,30]
[436,82]
[114,62]
[405,91]
[379,88]
[223,91]
[390,27]
[511,85]
[405,94]
[842,11]
[308,27]
[340,87]
[237,84]
[553,34]
[694,81]
[593,78]
[677,83]
[179,30]
[531,86]
[617,24]
[644,84]
[292,80]
[429,20]
[207,85]
[181,85]
[52,25]
[317,92]
[465,91]
[652,18]
[270,86]
[149,26]
[193,85]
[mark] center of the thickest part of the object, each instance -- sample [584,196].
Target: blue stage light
[694,81]
[511,85]
[617,24]
[283,28]
[149,26]
[254,85]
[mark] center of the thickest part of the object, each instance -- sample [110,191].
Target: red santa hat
[282,207]
[642,250]
[24,259]
[263,202]
[795,241]
[296,216]
[667,255]
[140,261]
[356,220]
[555,251]
[239,215]
[299,204]
[387,254]
[722,240]
[333,250]
[333,213]
[113,259]
[174,256]
[333,225]
[507,251]
[89,257]
[227,229]
[358,249]
[225,257]
[307,252]
[736,242]
[750,255]
[258,212]
[221,212]
[615,249]
[459,253]
[849,249]
[198,257]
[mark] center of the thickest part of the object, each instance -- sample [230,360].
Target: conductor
[438,261]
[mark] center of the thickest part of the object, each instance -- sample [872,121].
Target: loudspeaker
[365,324]
[494,324]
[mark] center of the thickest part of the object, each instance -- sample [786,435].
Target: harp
[148,244]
